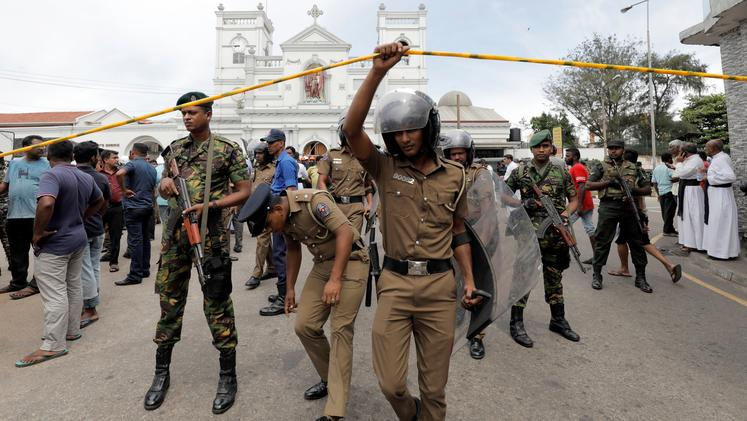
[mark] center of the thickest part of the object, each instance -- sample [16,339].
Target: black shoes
[275,308]
[596,278]
[516,326]
[559,324]
[227,385]
[127,282]
[237,248]
[161,380]
[252,283]
[316,391]
[476,348]
[640,282]
[272,298]
[268,275]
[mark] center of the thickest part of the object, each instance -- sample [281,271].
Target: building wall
[733,53]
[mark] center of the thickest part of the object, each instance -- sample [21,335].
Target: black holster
[217,263]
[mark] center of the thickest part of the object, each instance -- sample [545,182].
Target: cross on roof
[315,12]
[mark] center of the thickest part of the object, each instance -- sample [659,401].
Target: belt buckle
[345,200]
[417,268]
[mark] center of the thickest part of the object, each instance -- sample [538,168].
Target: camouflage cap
[540,137]
[194,96]
[615,143]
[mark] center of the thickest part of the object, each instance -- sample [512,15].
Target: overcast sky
[146,52]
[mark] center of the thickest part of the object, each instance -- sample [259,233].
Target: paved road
[679,353]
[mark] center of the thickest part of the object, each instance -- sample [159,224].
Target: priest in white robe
[688,169]
[720,233]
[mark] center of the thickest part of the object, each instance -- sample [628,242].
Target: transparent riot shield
[506,260]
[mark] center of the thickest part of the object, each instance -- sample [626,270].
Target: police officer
[614,210]
[190,155]
[264,171]
[422,211]
[555,182]
[458,146]
[334,287]
[343,175]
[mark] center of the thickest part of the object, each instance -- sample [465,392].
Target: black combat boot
[161,380]
[559,324]
[516,326]
[640,280]
[596,278]
[476,347]
[227,384]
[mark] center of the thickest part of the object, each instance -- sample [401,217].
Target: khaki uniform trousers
[424,306]
[355,214]
[332,359]
[264,254]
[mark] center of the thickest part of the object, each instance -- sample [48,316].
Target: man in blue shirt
[21,183]
[286,178]
[661,178]
[137,179]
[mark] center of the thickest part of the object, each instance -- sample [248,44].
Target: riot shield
[506,260]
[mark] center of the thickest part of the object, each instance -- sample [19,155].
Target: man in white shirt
[720,233]
[688,169]
[508,161]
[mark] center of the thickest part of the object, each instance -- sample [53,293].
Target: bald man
[720,233]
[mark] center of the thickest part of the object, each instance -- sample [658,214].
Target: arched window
[238,45]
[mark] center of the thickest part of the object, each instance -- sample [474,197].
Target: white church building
[308,108]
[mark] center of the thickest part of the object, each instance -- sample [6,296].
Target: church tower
[410,28]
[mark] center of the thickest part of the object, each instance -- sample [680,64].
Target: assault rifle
[191,225]
[628,194]
[373,257]
[556,221]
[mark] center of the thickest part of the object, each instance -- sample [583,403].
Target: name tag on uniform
[337,160]
[406,179]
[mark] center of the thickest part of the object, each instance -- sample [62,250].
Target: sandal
[676,273]
[114,268]
[68,337]
[23,293]
[619,273]
[30,360]
[88,322]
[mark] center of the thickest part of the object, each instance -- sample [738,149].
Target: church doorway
[315,148]
[154,146]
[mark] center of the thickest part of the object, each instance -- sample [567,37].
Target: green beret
[194,96]
[540,137]
[615,143]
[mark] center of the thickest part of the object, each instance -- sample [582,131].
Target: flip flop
[38,360]
[88,322]
[676,273]
[23,293]
[619,273]
[68,338]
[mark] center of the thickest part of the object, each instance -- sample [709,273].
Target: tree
[607,102]
[707,115]
[549,121]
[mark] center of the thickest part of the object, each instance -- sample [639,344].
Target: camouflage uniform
[175,264]
[4,214]
[557,185]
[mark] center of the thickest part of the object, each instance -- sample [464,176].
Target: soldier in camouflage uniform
[458,146]
[175,265]
[4,214]
[555,182]
[264,171]
[614,210]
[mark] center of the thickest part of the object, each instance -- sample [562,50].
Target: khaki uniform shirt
[312,220]
[416,208]
[347,176]
[607,172]
[263,174]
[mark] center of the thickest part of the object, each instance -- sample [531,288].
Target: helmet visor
[401,110]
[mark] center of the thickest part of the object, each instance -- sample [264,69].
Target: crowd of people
[425,182]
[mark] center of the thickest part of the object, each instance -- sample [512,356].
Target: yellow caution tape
[580,64]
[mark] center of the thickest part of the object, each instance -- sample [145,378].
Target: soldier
[228,165]
[334,287]
[422,213]
[458,146]
[4,215]
[555,182]
[615,209]
[263,173]
[343,175]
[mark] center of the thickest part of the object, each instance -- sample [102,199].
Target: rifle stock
[557,222]
[191,225]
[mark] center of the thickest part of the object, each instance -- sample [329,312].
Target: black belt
[706,210]
[612,199]
[681,194]
[346,200]
[417,267]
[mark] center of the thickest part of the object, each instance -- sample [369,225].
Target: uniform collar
[404,162]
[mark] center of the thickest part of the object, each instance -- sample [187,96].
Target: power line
[70,79]
[104,88]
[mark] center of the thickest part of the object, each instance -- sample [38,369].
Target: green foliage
[549,121]
[707,115]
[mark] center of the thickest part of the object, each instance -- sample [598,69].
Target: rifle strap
[206,193]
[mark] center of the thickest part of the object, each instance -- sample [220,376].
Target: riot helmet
[406,109]
[458,139]
[262,148]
